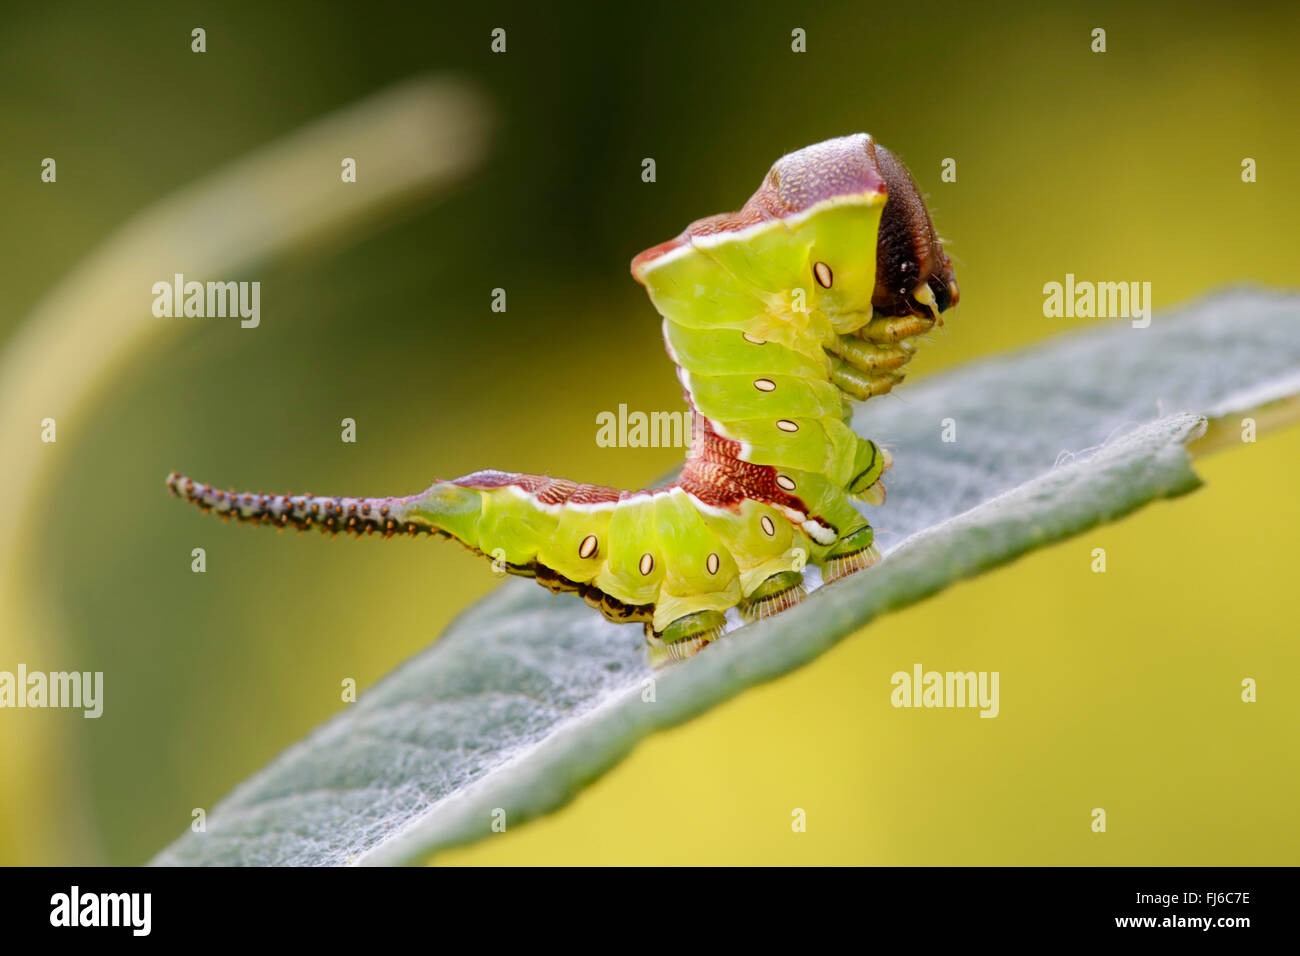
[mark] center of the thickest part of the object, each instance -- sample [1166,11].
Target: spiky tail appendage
[359,516]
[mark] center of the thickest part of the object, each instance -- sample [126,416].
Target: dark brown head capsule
[913,276]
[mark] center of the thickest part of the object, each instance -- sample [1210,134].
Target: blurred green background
[1118,690]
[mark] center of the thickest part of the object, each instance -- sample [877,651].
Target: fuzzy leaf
[527,698]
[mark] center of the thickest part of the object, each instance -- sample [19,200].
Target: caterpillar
[777,316]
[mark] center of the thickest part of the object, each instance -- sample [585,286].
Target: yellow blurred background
[1119,690]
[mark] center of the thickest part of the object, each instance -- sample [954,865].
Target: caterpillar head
[891,263]
[913,276]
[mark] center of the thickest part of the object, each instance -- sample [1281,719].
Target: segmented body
[775,316]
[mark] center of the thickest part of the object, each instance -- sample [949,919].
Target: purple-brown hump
[913,275]
[847,166]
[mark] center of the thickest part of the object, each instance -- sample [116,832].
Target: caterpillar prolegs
[776,316]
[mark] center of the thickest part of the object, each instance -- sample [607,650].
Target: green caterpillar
[775,316]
